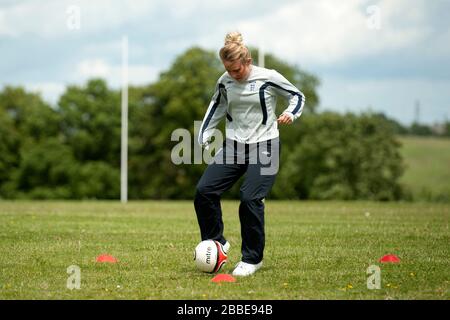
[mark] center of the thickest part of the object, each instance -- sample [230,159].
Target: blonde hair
[234,48]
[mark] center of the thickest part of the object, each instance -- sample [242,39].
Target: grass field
[427,173]
[314,250]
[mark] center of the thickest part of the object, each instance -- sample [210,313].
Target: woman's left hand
[284,119]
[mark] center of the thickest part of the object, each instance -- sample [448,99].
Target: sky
[390,56]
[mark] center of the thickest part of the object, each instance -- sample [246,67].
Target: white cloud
[99,68]
[325,32]
[307,32]
[5,29]
[322,36]
[114,47]
[395,97]
[50,91]
[94,68]
[50,18]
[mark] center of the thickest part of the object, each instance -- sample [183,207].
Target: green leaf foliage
[72,150]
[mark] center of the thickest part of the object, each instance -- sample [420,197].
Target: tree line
[419,129]
[72,150]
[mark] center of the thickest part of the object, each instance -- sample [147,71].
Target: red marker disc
[106,258]
[390,258]
[223,277]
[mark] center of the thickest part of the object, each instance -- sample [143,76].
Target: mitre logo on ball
[209,256]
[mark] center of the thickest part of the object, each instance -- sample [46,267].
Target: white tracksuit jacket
[249,106]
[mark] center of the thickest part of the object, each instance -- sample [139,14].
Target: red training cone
[223,277]
[106,258]
[390,258]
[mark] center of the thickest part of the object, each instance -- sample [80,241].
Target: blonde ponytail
[235,49]
[234,37]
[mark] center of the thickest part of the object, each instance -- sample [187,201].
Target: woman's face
[237,70]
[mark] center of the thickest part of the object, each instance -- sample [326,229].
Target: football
[209,256]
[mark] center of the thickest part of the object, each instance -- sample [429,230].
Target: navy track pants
[219,176]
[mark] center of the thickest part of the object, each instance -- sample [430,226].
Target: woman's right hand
[284,119]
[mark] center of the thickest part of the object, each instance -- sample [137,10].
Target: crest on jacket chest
[251,86]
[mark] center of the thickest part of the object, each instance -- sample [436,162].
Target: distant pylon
[417,111]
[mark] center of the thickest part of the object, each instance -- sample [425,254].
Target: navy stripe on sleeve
[213,109]
[263,100]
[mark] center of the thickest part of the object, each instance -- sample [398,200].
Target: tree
[179,97]
[91,126]
[176,100]
[91,122]
[46,171]
[9,152]
[306,82]
[420,130]
[25,119]
[341,157]
[395,126]
[73,150]
[34,119]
